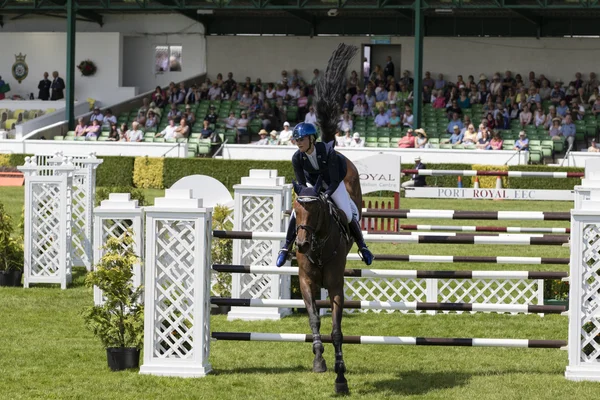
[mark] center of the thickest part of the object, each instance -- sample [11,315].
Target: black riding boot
[356,232]
[290,236]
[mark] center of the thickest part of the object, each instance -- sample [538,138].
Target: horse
[322,246]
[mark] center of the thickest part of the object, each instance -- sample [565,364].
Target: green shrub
[442,181]
[5,160]
[11,248]
[222,250]
[115,171]
[489,182]
[544,183]
[136,194]
[18,159]
[148,173]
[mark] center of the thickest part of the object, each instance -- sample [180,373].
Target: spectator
[207,132]
[229,85]
[388,70]
[408,119]
[212,117]
[270,93]
[525,118]
[346,123]
[193,96]
[593,147]
[491,121]
[428,81]
[484,93]
[440,100]
[339,139]
[302,104]
[231,121]
[174,112]
[496,87]
[382,120]
[471,82]
[370,101]
[453,109]
[285,136]
[470,136]
[596,107]
[43,86]
[500,122]
[93,131]
[568,130]
[421,140]
[80,128]
[440,83]
[214,93]
[264,141]
[113,135]
[417,180]
[348,103]
[169,131]
[284,79]
[183,130]
[394,119]
[456,137]
[156,110]
[592,84]
[57,86]
[254,108]
[315,77]
[545,91]
[454,123]
[407,141]
[359,108]
[473,96]
[533,96]
[522,143]
[123,131]
[357,141]
[496,142]
[267,116]
[551,116]
[311,117]
[577,110]
[562,109]
[404,95]
[366,71]
[352,83]
[294,91]
[555,132]
[189,115]
[281,91]
[242,126]
[539,118]
[96,115]
[134,134]
[508,82]
[219,80]
[557,94]
[273,141]
[483,143]
[151,121]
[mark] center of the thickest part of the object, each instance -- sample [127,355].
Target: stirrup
[282,256]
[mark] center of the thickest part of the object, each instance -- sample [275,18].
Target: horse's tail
[330,90]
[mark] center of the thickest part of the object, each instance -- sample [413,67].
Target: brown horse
[322,247]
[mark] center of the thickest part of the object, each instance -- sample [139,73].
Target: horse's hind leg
[309,293]
[337,305]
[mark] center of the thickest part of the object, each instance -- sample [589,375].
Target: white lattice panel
[488,291]
[590,301]
[383,289]
[45,230]
[81,237]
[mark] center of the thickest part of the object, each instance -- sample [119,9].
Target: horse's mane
[330,90]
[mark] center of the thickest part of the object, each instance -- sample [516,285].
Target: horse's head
[311,212]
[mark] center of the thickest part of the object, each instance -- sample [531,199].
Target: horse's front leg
[337,308]
[310,290]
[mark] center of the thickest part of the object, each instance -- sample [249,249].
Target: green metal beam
[89,15]
[305,17]
[418,72]
[70,77]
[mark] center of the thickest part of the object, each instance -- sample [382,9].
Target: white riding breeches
[342,199]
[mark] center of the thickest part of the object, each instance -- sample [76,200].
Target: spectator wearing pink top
[496,142]
[408,141]
[80,128]
[440,100]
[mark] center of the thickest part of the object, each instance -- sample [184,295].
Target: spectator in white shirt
[285,135]
[294,92]
[311,117]
[169,131]
[109,118]
[134,134]
[264,141]
[96,116]
[214,93]
[357,141]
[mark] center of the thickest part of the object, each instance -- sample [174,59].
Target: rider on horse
[314,159]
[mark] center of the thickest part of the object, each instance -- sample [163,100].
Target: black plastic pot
[120,358]
[10,278]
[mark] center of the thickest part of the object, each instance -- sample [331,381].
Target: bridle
[316,244]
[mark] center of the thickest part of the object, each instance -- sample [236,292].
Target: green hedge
[442,181]
[115,171]
[228,172]
[543,183]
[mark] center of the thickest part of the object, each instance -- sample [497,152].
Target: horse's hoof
[319,366]
[342,388]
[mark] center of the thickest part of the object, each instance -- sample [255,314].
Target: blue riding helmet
[304,129]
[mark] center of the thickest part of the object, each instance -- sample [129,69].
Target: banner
[489,194]
[379,172]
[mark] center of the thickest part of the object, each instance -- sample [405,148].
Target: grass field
[46,353]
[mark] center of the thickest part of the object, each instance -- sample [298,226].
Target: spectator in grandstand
[241,126]
[440,100]
[315,77]
[551,115]
[113,135]
[178,95]
[346,123]
[501,122]
[518,80]
[193,95]
[407,141]
[525,117]
[404,94]
[470,136]
[302,104]
[562,110]
[539,117]
[270,93]
[570,94]
[204,91]
[473,96]
[352,83]
[471,83]
[366,69]
[582,97]
[174,112]
[577,110]
[281,91]
[426,98]
[219,80]
[183,130]
[568,130]
[57,86]
[496,87]
[455,122]
[394,119]
[214,93]
[388,70]
[189,115]
[293,92]
[80,128]
[311,117]
[440,83]
[169,131]
[421,140]
[592,83]
[427,81]
[267,116]
[496,142]
[339,139]
[123,131]
[156,110]
[359,109]
[348,103]
[212,115]
[483,142]
[578,82]
[522,144]
[407,118]
[533,96]
[593,147]
[264,140]
[109,118]
[557,93]
[406,80]
[545,92]
[255,108]
[134,134]
[456,137]
[159,97]
[596,106]
[284,79]
[515,112]
[231,121]
[94,129]
[508,81]
[357,141]
[453,108]
[463,100]
[392,96]
[416,179]
[555,132]
[285,136]
[484,93]
[151,121]
[382,120]
[43,86]
[273,141]
[490,121]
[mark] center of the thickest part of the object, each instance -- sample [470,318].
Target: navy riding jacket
[332,166]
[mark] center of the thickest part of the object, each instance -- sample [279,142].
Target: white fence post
[112,220]
[584,288]
[177,289]
[260,202]
[47,244]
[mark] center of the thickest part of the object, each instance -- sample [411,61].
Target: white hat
[356,135]
[286,123]
[417,158]
[455,127]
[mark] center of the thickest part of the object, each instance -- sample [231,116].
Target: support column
[70,73]
[177,288]
[584,290]
[260,201]
[418,73]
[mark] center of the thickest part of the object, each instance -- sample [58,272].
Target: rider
[310,161]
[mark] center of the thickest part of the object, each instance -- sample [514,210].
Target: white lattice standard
[47,222]
[112,219]
[260,201]
[584,290]
[385,289]
[177,286]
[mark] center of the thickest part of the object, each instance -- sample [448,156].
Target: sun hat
[356,135]
[263,132]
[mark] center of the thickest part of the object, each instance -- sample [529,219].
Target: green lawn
[46,353]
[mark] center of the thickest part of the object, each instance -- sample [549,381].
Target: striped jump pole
[510,174]
[464,259]
[385,305]
[473,228]
[399,273]
[520,240]
[392,340]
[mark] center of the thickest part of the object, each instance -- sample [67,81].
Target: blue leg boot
[365,253]
[290,237]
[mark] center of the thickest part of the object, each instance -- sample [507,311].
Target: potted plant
[119,322]
[556,293]
[222,253]
[11,252]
